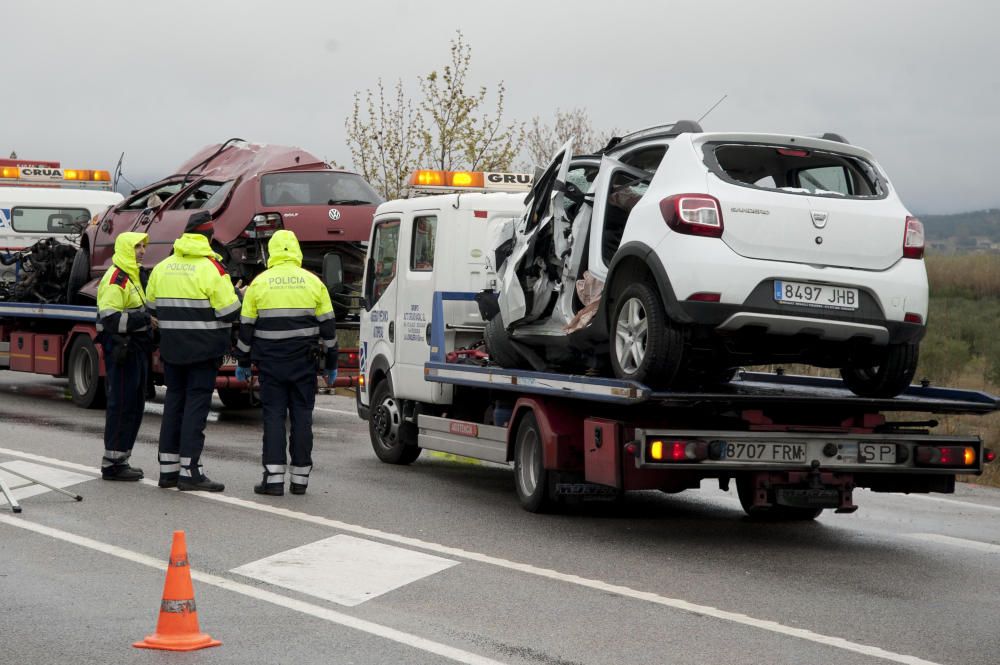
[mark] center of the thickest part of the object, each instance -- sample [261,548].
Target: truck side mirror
[333,272]
[367,298]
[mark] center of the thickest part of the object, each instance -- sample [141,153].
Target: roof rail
[668,129]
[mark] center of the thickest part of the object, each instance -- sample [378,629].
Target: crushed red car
[252,190]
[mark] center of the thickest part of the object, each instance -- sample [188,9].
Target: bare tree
[542,139]
[458,132]
[385,139]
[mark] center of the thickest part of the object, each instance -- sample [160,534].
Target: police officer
[195,304]
[285,310]
[125,331]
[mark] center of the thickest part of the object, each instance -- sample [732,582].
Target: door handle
[392,331]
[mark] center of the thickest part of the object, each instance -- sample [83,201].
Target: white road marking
[344,569]
[956,542]
[22,488]
[626,592]
[964,504]
[324,613]
[340,411]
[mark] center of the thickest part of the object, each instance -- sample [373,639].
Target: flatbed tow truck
[794,446]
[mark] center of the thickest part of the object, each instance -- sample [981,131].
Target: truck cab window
[384,257]
[48,220]
[424,236]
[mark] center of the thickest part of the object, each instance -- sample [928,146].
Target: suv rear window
[316,188]
[795,170]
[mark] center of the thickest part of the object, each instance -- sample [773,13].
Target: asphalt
[655,578]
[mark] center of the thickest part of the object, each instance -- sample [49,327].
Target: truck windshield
[316,188]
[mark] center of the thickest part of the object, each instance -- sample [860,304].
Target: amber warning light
[459,181]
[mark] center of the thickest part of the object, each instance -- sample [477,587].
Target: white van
[29,214]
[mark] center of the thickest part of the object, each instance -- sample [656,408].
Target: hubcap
[528,465]
[386,421]
[631,335]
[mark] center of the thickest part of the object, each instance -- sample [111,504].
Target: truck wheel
[773,513]
[531,478]
[891,376]
[387,430]
[79,275]
[234,398]
[86,385]
[499,346]
[646,346]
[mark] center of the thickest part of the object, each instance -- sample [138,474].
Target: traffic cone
[177,628]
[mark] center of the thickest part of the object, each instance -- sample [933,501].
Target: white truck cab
[420,246]
[42,200]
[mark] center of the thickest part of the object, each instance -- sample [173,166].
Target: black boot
[122,472]
[168,479]
[297,488]
[272,489]
[200,484]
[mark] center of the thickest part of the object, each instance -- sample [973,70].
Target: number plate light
[676,450]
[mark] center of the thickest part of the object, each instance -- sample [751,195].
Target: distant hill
[963,231]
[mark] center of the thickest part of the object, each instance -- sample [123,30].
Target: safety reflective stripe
[100,326]
[171,457]
[284,311]
[275,468]
[299,480]
[325,317]
[300,469]
[116,454]
[183,302]
[286,334]
[329,343]
[169,468]
[194,325]
[245,348]
[105,313]
[123,323]
[228,309]
[151,305]
[248,319]
[272,478]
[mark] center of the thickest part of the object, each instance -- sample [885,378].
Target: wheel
[647,346]
[531,479]
[388,432]
[79,275]
[774,513]
[234,398]
[86,385]
[499,346]
[891,376]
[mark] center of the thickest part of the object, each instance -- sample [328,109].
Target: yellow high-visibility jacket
[121,302]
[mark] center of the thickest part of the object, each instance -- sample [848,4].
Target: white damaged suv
[676,256]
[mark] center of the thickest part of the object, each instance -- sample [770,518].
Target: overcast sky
[914,82]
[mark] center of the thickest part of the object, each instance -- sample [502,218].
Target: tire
[773,513]
[531,479]
[645,345]
[79,275]
[891,376]
[234,398]
[391,438]
[499,346]
[86,385]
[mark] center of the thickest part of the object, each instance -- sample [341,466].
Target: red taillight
[789,152]
[679,450]
[693,214]
[705,297]
[910,317]
[480,214]
[263,225]
[945,456]
[913,239]
[989,455]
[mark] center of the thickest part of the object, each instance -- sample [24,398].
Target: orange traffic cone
[177,628]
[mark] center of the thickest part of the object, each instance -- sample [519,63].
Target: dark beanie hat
[200,222]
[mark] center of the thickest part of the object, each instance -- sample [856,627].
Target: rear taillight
[989,455]
[679,450]
[705,296]
[693,214]
[913,239]
[263,225]
[955,456]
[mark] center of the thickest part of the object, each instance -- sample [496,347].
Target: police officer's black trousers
[126,392]
[287,388]
[185,411]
